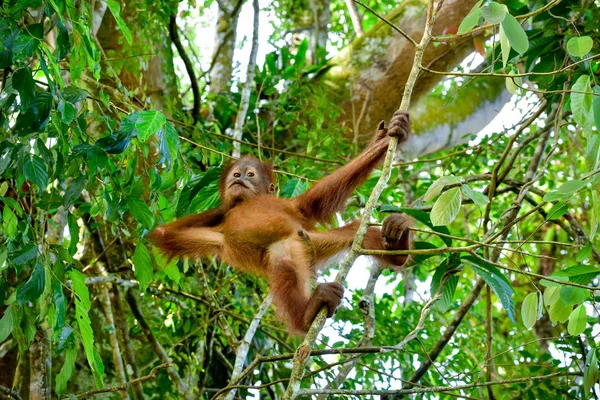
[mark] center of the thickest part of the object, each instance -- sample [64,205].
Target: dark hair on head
[264,168]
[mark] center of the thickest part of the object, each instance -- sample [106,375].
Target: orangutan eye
[250,174]
[237,175]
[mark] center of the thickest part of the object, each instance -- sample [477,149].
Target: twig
[433,389]
[244,345]
[394,27]
[126,385]
[9,392]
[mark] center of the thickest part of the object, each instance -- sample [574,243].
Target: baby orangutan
[259,233]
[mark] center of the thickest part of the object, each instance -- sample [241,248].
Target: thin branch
[126,385]
[355,17]
[174,34]
[433,389]
[394,27]
[9,392]
[244,345]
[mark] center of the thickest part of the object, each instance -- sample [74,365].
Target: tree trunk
[367,78]
[226,29]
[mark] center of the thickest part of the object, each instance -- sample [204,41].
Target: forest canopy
[119,116]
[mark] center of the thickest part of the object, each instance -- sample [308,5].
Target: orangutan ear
[272,188]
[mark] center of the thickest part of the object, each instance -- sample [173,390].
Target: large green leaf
[581,274]
[80,288]
[497,281]
[446,207]
[529,310]
[141,212]
[22,82]
[34,287]
[577,321]
[143,265]
[581,103]
[115,9]
[579,46]
[7,323]
[437,186]
[36,171]
[590,370]
[494,13]
[478,198]
[471,20]
[148,123]
[67,370]
[571,295]
[293,187]
[87,338]
[515,34]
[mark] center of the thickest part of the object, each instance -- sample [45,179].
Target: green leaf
[141,212]
[35,170]
[547,283]
[143,265]
[9,221]
[557,211]
[293,187]
[446,208]
[7,323]
[581,274]
[579,46]
[87,338]
[172,271]
[471,20]
[512,84]
[504,46]
[529,310]
[34,287]
[437,186]
[559,312]
[551,295]
[24,46]
[74,232]
[24,255]
[571,295]
[74,190]
[594,220]
[148,123]
[478,198]
[571,187]
[577,321]
[67,370]
[22,82]
[80,289]
[73,94]
[581,103]
[493,12]
[590,371]
[497,281]
[515,34]
[115,9]
[596,107]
